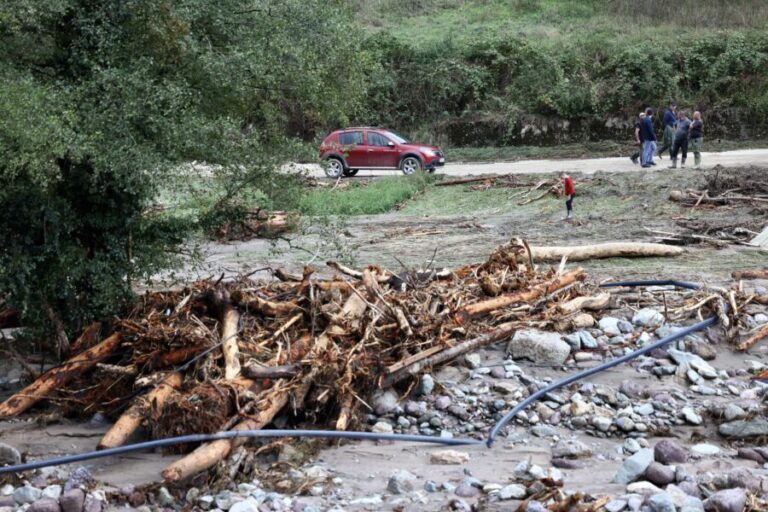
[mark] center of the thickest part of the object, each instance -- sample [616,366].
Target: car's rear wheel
[410,165]
[350,172]
[334,168]
[432,171]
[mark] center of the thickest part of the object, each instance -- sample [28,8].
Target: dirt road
[740,158]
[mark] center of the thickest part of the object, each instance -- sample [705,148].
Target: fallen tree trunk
[415,367]
[131,419]
[57,377]
[751,274]
[608,250]
[696,197]
[752,340]
[264,306]
[533,293]
[594,302]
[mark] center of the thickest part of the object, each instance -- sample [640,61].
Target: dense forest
[101,102]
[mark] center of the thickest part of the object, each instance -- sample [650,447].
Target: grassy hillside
[479,73]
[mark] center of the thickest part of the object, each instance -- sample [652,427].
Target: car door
[355,151]
[382,152]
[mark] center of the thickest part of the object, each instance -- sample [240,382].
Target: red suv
[347,151]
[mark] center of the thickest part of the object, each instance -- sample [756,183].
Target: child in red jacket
[570,192]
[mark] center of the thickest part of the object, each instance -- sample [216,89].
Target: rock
[543,431]
[587,340]
[9,456]
[45,505]
[574,340]
[631,445]
[442,402]
[6,490]
[729,500]
[644,410]
[692,505]
[744,478]
[506,388]
[401,482]
[648,317]
[498,373]
[703,349]
[247,505]
[582,321]
[72,501]
[540,347]
[224,500]
[567,464]
[449,457]
[602,423]
[430,486]
[634,467]
[384,402]
[644,488]
[659,474]
[80,477]
[633,389]
[458,505]
[426,385]
[382,427]
[693,361]
[743,429]
[472,361]
[750,454]
[415,409]
[535,506]
[53,492]
[704,449]
[609,325]
[571,449]
[27,494]
[624,326]
[579,408]
[691,416]
[512,492]
[733,412]
[661,502]
[626,424]
[467,491]
[669,452]
[616,505]
[164,498]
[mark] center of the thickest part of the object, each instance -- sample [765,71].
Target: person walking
[680,142]
[668,126]
[696,135]
[570,192]
[648,134]
[638,141]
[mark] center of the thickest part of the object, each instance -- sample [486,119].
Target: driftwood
[415,367]
[751,274]
[750,342]
[696,197]
[57,377]
[593,302]
[270,372]
[524,296]
[608,250]
[131,419]
[463,181]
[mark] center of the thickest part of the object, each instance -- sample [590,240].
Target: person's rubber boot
[682,163]
[569,217]
[674,164]
[634,159]
[697,161]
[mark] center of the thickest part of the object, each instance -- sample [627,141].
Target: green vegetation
[378,196]
[529,72]
[101,103]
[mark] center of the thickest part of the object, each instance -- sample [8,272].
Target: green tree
[102,100]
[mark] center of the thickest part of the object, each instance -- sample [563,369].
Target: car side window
[350,138]
[376,139]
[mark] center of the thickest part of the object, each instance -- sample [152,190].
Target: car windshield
[395,137]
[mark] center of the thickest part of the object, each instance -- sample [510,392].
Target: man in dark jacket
[648,134]
[668,125]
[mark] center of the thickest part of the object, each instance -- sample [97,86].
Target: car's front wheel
[350,172]
[410,165]
[334,167]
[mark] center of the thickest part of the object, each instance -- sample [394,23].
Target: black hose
[231,434]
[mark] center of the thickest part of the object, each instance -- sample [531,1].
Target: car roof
[362,128]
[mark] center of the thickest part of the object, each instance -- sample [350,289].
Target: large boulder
[744,429]
[634,467]
[729,500]
[540,347]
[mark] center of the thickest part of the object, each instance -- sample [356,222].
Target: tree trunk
[751,274]
[593,302]
[131,419]
[58,377]
[608,250]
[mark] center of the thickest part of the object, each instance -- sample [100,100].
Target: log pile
[299,349]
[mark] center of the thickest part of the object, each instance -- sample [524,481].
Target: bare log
[752,340]
[500,333]
[346,412]
[463,181]
[58,377]
[524,296]
[270,372]
[593,302]
[608,250]
[264,306]
[383,278]
[131,419]
[230,346]
[751,274]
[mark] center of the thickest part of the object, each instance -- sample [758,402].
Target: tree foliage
[100,101]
